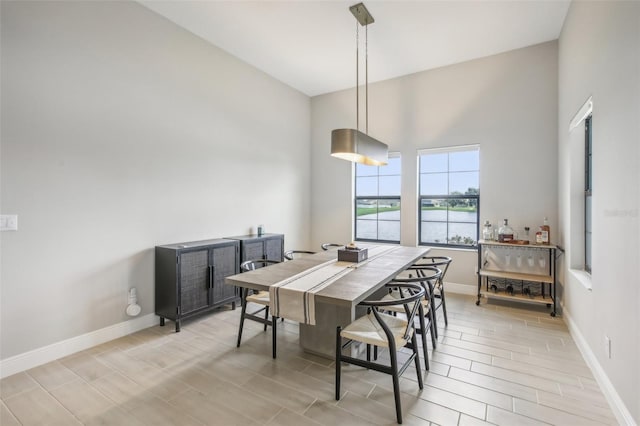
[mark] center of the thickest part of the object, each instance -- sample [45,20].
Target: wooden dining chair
[442,263]
[259,298]
[425,311]
[328,246]
[384,330]
[292,254]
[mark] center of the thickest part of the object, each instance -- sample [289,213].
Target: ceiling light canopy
[352,144]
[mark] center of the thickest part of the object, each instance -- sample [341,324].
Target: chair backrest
[440,262]
[327,246]
[426,275]
[291,254]
[251,265]
[410,293]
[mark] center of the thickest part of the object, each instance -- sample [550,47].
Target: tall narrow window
[449,196]
[377,201]
[588,191]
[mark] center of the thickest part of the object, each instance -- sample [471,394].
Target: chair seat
[261,297]
[394,295]
[367,329]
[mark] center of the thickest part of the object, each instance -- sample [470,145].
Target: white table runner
[294,298]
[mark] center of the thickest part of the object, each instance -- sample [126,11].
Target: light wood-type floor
[496,363]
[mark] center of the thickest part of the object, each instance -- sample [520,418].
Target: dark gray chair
[442,263]
[327,246]
[380,329]
[291,254]
[260,298]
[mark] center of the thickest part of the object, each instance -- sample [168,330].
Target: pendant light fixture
[352,144]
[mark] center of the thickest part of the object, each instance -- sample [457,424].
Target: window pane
[464,161]
[587,254]
[433,232]
[587,214]
[463,211]
[367,209]
[393,168]
[389,209]
[463,183]
[364,170]
[433,210]
[433,162]
[366,229]
[366,186]
[389,185]
[389,230]
[433,184]
[462,233]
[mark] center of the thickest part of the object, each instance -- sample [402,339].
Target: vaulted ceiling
[310,45]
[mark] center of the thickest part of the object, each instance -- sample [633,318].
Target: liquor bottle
[539,235]
[546,232]
[505,234]
[487,232]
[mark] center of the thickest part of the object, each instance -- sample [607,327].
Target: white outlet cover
[9,222]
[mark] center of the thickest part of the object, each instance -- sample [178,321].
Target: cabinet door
[194,281]
[224,264]
[273,248]
[253,250]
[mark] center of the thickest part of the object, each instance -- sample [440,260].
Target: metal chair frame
[289,254]
[442,263]
[246,266]
[426,282]
[415,293]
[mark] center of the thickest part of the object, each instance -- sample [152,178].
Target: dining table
[321,293]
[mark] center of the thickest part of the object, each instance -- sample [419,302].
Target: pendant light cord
[357,79]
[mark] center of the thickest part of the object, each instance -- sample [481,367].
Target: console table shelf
[526,272]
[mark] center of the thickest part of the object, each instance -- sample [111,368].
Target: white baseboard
[36,357]
[620,410]
[461,288]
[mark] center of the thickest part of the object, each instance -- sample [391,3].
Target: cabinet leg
[177,326]
[161,321]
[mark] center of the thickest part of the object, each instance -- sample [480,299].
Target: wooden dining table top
[348,290]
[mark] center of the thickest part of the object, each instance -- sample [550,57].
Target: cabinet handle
[210,276]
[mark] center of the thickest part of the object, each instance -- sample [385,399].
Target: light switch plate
[9,222]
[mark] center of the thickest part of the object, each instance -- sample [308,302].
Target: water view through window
[449,196]
[377,201]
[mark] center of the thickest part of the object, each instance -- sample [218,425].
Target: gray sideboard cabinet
[265,246]
[190,278]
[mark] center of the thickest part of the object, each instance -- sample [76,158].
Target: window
[449,196]
[377,201]
[580,159]
[588,186]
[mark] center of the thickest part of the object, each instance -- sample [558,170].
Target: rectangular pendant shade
[353,145]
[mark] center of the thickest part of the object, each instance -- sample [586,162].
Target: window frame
[356,198]
[421,197]
[588,192]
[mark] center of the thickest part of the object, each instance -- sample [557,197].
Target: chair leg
[375,353]
[423,332]
[432,311]
[242,313]
[338,362]
[273,335]
[266,317]
[396,381]
[415,351]
[368,352]
[444,305]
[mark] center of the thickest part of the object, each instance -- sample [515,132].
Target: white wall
[122,131]
[599,56]
[507,103]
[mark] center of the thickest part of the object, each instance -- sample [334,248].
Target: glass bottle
[487,232]
[546,232]
[505,234]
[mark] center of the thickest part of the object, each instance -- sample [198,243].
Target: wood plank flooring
[494,364]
